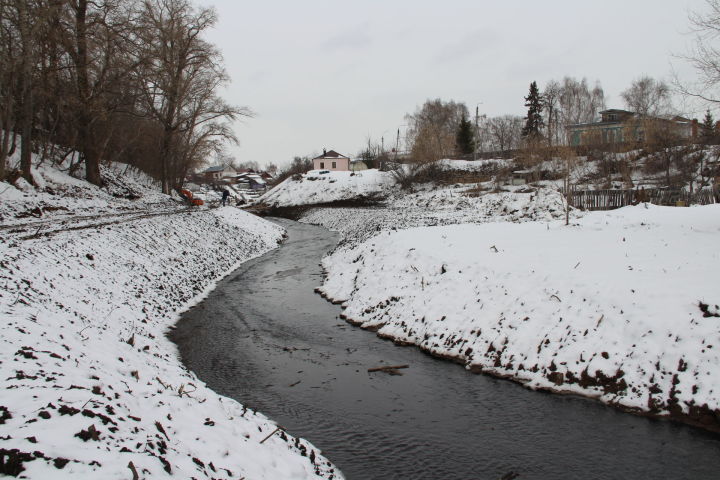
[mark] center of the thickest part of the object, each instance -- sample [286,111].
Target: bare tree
[704,55]
[99,41]
[569,159]
[577,102]
[128,80]
[9,73]
[668,149]
[432,129]
[180,85]
[372,154]
[648,97]
[22,37]
[551,100]
[505,132]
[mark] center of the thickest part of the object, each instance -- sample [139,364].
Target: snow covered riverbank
[620,306]
[91,386]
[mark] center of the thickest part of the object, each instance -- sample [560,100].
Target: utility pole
[477,112]
[477,130]
[397,144]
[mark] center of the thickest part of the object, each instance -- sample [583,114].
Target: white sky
[329,73]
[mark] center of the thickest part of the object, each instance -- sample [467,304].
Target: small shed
[521,177]
[358,165]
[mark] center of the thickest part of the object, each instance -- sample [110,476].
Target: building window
[322,164]
[334,165]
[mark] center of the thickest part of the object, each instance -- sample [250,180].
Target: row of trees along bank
[123,80]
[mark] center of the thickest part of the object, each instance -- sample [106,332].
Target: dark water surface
[263,330]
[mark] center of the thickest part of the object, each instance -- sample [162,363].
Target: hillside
[92,388]
[322,186]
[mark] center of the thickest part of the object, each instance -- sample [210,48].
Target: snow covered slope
[430,205]
[61,196]
[91,386]
[315,187]
[621,305]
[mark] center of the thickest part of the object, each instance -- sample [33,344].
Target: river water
[264,338]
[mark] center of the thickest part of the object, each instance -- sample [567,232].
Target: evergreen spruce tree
[533,120]
[465,138]
[708,134]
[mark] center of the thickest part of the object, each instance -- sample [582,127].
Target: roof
[217,168]
[330,154]
[675,119]
[616,110]
[579,125]
[255,177]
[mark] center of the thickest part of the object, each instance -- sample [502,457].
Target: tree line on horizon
[115,80]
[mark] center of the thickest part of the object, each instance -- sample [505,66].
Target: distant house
[251,181]
[331,160]
[621,126]
[219,172]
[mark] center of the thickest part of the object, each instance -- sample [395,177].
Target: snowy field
[91,386]
[620,305]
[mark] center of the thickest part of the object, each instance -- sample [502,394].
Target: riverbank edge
[481,369]
[698,416]
[165,285]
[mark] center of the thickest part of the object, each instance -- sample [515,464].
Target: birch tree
[648,97]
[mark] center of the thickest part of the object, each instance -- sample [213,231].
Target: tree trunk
[26,124]
[88,143]
[6,131]
[164,160]
[89,149]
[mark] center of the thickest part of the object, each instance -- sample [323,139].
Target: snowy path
[47,227]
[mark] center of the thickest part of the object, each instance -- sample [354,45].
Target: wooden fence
[611,199]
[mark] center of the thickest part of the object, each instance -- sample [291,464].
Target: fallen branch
[166,387]
[391,369]
[183,391]
[271,434]
[132,468]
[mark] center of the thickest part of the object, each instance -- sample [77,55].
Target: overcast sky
[328,74]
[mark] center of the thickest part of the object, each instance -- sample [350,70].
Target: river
[264,338]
